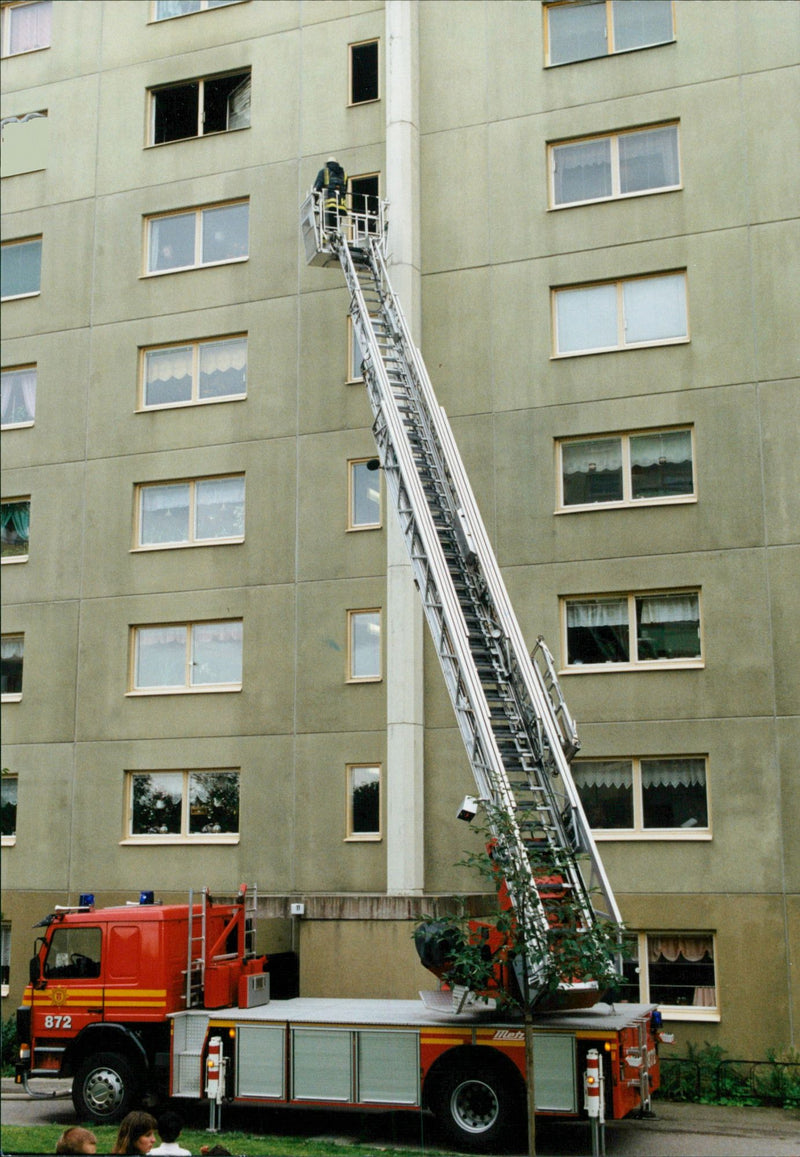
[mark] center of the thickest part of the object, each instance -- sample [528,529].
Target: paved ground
[677,1131]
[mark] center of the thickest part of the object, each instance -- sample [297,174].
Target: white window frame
[14,696]
[192,485]
[677,1012]
[200,81]
[5,374]
[376,40]
[7,9]
[621,325]
[205,6]
[611,50]
[614,138]
[627,499]
[196,347]
[187,687]
[198,213]
[352,525]
[352,618]
[352,836]
[184,837]
[354,375]
[8,841]
[17,558]
[37,237]
[638,831]
[632,664]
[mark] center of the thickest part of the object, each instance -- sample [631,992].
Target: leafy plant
[9,1041]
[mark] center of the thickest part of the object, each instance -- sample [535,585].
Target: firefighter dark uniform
[333,180]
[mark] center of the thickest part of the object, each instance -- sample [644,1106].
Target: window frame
[198,212]
[376,40]
[8,840]
[616,193]
[677,1012]
[6,29]
[186,688]
[352,617]
[351,835]
[638,831]
[20,558]
[204,7]
[142,406]
[631,664]
[621,344]
[352,525]
[184,837]
[182,544]
[627,501]
[549,5]
[35,237]
[6,372]
[200,81]
[5,951]
[14,696]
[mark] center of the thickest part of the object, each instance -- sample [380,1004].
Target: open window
[364,76]
[197,108]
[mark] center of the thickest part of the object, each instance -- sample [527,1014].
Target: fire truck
[149,994]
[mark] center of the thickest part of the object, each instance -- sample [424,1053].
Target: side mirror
[34,970]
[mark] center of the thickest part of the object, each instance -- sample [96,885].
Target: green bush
[9,1049]
[702,1076]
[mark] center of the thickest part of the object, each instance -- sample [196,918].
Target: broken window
[196,108]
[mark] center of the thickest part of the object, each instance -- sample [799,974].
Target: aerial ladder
[516,727]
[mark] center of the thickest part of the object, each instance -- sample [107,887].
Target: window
[8,807]
[198,806]
[166,9]
[363,494]
[5,958]
[619,165]
[24,144]
[194,372]
[15,519]
[582,31]
[188,656]
[74,954]
[363,646]
[621,314]
[26,27]
[21,268]
[634,630]
[364,72]
[197,237]
[12,648]
[652,466]
[203,510]
[354,355]
[363,801]
[644,796]
[675,970]
[196,108]
[18,396]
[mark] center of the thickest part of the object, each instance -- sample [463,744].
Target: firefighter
[332,179]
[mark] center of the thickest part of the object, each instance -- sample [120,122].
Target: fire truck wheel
[477,1106]
[104,1088]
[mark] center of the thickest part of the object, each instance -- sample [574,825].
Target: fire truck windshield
[73,953]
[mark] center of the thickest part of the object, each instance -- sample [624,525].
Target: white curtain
[601,773]
[12,648]
[223,355]
[603,454]
[691,948]
[674,446]
[30,26]
[19,396]
[582,171]
[673,773]
[164,365]
[668,609]
[655,308]
[612,613]
[649,160]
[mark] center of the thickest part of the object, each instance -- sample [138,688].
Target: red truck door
[69,993]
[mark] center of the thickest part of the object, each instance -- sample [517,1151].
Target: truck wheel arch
[114,1038]
[477,1096]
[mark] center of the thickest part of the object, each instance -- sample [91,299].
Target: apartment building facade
[214,663]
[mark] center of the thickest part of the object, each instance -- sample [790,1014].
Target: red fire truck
[170,998]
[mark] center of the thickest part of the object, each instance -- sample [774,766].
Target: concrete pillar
[404,619]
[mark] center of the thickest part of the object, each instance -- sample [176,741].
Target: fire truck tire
[478,1106]
[104,1088]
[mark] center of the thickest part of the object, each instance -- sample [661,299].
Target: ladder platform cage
[323,231]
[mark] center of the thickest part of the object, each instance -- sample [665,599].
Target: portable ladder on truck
[515,725]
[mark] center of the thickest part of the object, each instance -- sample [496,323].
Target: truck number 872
[58,1022]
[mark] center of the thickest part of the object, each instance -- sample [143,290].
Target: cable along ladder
[513,719]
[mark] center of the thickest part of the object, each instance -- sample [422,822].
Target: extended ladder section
[518,734]
[210,942]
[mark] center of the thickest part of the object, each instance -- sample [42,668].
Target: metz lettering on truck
[509,1034]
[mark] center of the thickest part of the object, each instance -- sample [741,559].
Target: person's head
[76,1140]
[137,1134]
[331,161]
[169,1126]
